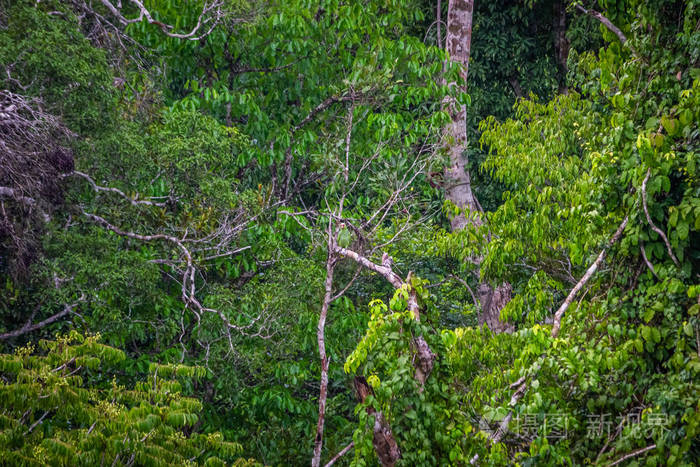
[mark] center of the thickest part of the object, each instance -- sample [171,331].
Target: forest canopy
[378,232]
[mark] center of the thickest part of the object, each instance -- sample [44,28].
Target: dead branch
[633,454]
[646,260]
[257,327]
[31,155]
[27,328]
[605,22]
[345,450]
[522,383]
[25,200]
[36,423]
[464,283]
[325,104]
[212,14]
[586,277]
[383,271]
[320,336]
[97,188]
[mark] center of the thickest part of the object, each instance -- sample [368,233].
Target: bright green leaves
[572,168]
[553,203]
[424,419]
[61,408]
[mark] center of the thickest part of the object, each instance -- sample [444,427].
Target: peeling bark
[492,302]
[384,443]
[383,439]
[457,177]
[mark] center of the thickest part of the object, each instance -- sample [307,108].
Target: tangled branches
[31,152]
[211,15]
[32,157]
[193,253]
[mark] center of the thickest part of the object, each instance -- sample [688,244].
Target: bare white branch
[211,15]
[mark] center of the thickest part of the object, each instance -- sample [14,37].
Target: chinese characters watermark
[556,425]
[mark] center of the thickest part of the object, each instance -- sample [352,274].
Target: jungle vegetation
[352,232]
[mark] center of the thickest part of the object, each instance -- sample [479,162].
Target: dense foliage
[103,422]
[224,233]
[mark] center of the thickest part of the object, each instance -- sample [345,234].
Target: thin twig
[212,13]
[464,283]
[651,223]
[27,328]
[646,260]
[98,188]
[34,425]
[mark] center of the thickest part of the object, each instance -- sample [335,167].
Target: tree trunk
[458,180]
[383,439]
[320,336]
[492,302]
[561,43]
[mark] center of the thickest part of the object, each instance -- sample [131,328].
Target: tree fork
[385,444]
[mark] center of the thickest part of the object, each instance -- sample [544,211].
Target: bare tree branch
[344,451]
[586,277]
[325,104]
[31,155]
[464,283]
[257,327]
[605,21]
[633,454]
[211,15]
[320,336]
[522,383]
[26,200]
[383,271]
[646,260]
[27,328]
[98,188]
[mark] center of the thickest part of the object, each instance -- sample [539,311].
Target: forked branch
[212,13]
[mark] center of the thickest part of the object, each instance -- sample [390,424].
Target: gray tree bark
[457,178]
[458,187]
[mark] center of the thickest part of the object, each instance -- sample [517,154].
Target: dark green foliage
[47,56]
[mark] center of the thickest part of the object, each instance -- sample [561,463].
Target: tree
[263,209]
[457,176]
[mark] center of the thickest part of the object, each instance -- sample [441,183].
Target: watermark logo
[556,425]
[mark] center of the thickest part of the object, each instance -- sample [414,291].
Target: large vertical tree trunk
[492,302]
[457,178]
